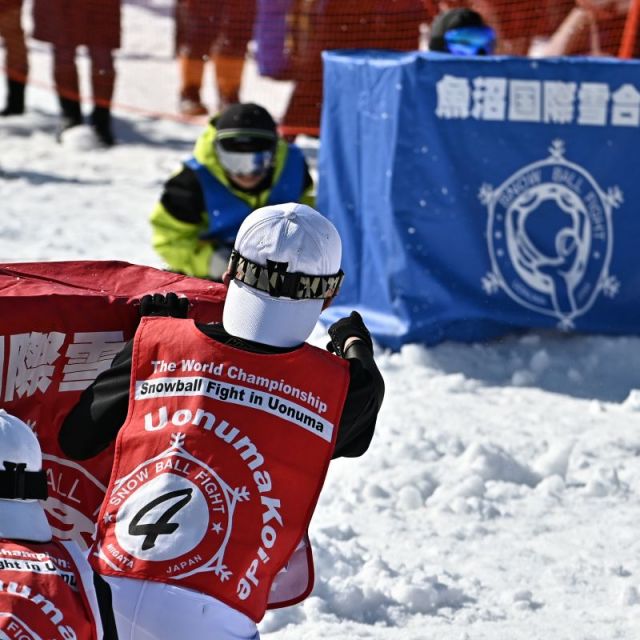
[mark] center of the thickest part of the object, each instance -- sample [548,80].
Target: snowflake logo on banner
[550,237]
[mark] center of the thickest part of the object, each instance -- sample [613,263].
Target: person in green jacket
[239,164]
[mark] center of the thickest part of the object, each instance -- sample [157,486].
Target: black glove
[345,328]
[160,305]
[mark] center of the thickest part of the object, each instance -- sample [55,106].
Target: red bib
[219,465]
[42,594]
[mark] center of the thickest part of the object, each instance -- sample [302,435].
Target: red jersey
[43,594]
[218,467]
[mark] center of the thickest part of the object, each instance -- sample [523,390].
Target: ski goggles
[275,280]
[471,41]
[244,163]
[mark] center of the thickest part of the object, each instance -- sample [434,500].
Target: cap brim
[24,520]
[256,316]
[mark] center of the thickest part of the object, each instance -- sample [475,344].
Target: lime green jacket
[177,240]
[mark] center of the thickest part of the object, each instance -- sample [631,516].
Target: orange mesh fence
[336,24]
[594,27]
[198,55]
[631,35]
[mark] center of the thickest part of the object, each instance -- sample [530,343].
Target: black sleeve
[95,420]
[183,198]
[364,399]
[308,180]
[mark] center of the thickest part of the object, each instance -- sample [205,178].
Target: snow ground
[500,497]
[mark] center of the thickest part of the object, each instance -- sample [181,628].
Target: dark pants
[103,74]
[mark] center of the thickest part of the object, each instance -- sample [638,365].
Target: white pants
[146,610]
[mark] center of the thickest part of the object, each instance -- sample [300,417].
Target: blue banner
[477,196]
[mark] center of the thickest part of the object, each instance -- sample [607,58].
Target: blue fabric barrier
[477,196]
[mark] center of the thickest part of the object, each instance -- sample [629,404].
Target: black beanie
[449,20]
[245,127]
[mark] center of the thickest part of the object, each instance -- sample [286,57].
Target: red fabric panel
[63,323]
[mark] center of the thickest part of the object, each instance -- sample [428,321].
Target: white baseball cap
[21,519]
[287,244]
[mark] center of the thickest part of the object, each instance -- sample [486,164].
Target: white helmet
[22,483]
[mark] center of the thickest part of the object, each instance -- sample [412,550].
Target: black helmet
[461,20]
[246,127]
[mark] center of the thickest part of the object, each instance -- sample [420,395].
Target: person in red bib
[224,434]
[47,588]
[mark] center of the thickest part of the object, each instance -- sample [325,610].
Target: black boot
[71,115]
[15,98]
[101,123]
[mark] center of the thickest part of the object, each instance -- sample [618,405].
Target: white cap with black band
[285,264]
[22,484]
